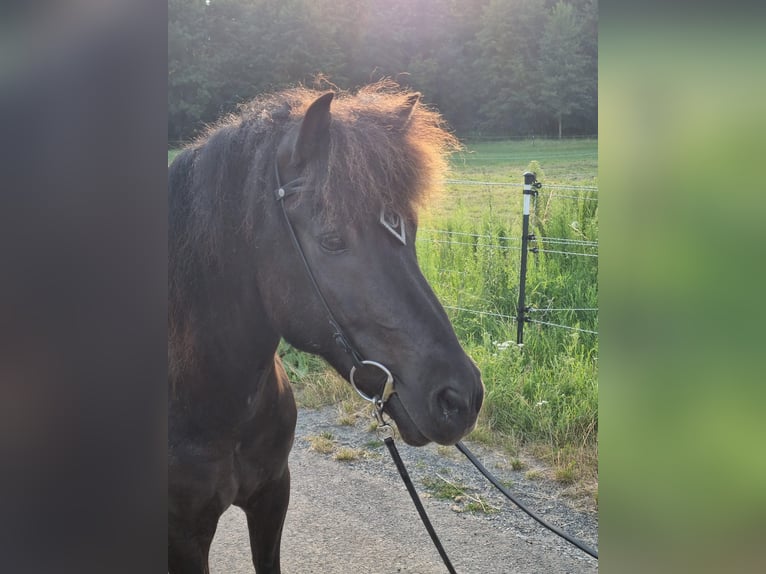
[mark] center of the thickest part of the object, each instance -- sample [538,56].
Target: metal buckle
[388,387]
[378,402]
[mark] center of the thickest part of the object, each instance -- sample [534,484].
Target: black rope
[581,545]
[416,500]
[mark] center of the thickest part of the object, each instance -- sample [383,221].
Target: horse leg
[189,539]
[265,512]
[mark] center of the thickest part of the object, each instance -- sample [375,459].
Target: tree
[224,52]
[187,78]
[564,64]
[509,62]
[443,66]
[490,66]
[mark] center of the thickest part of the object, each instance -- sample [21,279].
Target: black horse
[294,220]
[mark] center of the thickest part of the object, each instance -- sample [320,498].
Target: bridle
[395,225]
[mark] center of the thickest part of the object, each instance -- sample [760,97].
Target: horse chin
[408,430]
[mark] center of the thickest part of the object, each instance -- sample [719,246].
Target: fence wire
[568,196]
[477,235]
[477,312]
[547,309]
[514,319]
[564,252]
[484,183]
[563,241]
[528,320]
[451,242]
[564,186]
[509,184]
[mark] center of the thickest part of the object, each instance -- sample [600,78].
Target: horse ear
[406,111]
[314,127]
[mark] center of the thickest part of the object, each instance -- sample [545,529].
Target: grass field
[542,397]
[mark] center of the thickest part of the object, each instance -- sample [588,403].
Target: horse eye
[332,242]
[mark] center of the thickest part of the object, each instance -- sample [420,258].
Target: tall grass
[545,394]
[547,390]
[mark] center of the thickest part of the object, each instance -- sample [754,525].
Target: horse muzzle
[444,414]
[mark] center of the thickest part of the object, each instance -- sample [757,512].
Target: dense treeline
[492,67]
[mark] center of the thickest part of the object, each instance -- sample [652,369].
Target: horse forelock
[380,157]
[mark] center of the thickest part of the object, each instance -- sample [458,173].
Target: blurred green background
[682,388]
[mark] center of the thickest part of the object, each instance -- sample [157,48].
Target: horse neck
[224,333]
[234,367]
[222,341]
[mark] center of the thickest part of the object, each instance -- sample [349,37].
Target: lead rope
[416,501]
[470,456]
[385,430]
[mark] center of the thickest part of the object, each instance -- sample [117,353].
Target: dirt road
[356,516]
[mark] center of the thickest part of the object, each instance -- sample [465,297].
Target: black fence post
[531,185]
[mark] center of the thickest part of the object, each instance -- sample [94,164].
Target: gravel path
[356,516]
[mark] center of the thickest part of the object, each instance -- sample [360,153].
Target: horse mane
[383,153]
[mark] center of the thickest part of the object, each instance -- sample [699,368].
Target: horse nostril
[450,402]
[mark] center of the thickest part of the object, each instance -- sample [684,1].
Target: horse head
[337,239]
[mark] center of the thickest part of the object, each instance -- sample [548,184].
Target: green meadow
[541,398]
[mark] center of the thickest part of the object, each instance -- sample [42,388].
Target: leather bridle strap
[340,337]
[416,501]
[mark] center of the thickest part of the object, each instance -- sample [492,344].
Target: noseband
[395,225]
